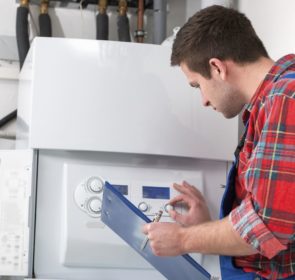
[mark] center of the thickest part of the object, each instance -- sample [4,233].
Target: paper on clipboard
[126,220]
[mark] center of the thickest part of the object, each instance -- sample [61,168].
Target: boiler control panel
[147,196]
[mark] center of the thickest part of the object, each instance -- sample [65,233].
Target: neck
[248,77]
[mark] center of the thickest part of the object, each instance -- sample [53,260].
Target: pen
[155,220]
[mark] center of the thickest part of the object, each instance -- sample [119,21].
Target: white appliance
[90,111]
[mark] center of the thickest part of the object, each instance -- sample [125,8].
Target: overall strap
[289,76]
[241,144]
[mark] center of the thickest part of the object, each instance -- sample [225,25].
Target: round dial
[168,207]
[95,184]
[94,205]
[142,206]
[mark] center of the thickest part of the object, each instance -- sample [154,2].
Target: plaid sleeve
[266,217]
[252,229]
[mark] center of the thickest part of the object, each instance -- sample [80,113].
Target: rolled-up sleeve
[251,228]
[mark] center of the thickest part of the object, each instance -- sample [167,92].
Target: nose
[205,101]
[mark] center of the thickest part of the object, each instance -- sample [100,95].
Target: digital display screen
[123,189]
[155,192]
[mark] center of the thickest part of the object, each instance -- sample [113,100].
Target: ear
[218,68]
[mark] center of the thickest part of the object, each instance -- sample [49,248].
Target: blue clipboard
[126,220]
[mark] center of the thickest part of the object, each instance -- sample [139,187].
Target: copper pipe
[44,7]
[122,7]
[102,6]
[140,32]
[24,3]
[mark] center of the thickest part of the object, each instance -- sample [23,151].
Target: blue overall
[228,270]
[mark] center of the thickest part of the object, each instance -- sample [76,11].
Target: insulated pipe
[102,21]
[22,31]
[160,21]
[123,22]
[44,20]
[7,135]
[139,33]
[8,118]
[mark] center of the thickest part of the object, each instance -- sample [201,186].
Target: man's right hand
[192,198]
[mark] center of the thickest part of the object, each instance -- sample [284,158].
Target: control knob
[142,206]
[95,184]
[94,205]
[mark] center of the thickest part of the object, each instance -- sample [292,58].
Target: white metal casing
[17,196]
[94,99]
[111,97]
[70,244]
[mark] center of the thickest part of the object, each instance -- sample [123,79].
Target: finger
[176,216]
[178,187]
[185,183]
[152,245]
[194,189]
[176,199]
[145,229]
[188,186]
[184,188]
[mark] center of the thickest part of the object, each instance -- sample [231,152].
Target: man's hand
[192,198]
[214,237]
[194,231]
[165,238]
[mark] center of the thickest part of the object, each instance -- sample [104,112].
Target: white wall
[274,23]
[7,17]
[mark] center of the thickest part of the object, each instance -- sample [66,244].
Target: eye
[195,85]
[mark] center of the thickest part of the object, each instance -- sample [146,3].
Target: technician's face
[216,93]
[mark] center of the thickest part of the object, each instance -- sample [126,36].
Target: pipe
[160,21]
[123,22]
[8,118]
[7,135]
[102,21]
[44,20]
[22,31]
[139,33]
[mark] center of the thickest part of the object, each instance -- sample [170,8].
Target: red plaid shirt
[264,209]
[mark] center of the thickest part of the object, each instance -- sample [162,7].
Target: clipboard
[126,220]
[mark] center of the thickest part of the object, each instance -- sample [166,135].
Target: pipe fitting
[102,6]
[122,7]
[24,3]
[139,33]
[44,7]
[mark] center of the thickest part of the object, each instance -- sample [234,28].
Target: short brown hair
[219,32]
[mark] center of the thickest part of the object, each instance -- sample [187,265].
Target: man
[220,53]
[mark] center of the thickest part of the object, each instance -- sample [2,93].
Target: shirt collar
[273,75]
